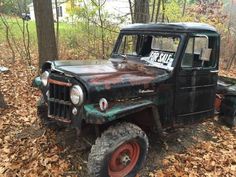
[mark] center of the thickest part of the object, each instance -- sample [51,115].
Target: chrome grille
[59,104]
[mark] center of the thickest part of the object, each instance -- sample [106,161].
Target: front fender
[93,114]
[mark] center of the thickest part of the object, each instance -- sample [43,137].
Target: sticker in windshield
[160,59]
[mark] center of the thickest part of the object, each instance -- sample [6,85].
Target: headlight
[44,78]
[76,95]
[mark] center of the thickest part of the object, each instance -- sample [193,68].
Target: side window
[199,53]
[128,45]
[187,60]
[136,45]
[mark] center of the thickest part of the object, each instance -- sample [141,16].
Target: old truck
[158,76]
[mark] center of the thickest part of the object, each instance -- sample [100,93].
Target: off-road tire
[110,140]
[233,122]
[42,113]
[230,121]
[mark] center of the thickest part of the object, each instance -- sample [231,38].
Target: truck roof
[178,27]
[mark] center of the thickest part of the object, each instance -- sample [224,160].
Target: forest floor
[28,149]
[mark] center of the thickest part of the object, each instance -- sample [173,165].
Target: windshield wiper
[122,58]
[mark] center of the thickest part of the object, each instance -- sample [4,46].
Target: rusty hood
[104,79]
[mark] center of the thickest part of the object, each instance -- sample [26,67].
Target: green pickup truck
[160,76]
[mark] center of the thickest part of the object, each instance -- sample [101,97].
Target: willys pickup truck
[159,76]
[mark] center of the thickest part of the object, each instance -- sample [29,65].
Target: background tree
[47,47]
[7,36]
[231,39]
[158,10]
[14,7]
[141,11]
[99,5]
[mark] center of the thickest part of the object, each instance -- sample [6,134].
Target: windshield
[153,50]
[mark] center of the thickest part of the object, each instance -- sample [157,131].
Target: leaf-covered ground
[28,149]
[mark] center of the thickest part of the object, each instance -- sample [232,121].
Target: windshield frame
[116,55]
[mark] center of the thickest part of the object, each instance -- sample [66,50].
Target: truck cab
[188,53]
[161,75]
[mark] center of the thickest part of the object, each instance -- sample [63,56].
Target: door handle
[214,71]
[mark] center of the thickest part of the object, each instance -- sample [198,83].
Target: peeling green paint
[37,82]
[93,112]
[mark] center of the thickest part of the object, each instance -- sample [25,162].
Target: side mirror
[205,54]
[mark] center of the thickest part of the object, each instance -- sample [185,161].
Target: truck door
[197,79]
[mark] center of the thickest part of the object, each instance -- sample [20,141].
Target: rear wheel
[119,152]
[230,121]
[234,121]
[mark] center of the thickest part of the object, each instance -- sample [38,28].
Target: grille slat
[65,93]
[59,101]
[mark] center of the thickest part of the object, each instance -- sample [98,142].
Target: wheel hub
[125,159]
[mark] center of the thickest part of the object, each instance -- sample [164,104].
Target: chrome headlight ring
[44,78]
[76,95]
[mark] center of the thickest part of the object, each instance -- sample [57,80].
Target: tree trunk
[131,11]
[47,47]
[2,102]
[163,11]
[99,4]
[141,11]
[7,32]
[57,25]
[153,10]
[230,62]
[158,10]
[102,28]
[184,7]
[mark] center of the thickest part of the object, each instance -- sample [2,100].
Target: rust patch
[60,119]
[60,83]
[129,77]
[218,101]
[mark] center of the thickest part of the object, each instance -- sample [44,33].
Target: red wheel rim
[218,101]
[124,159]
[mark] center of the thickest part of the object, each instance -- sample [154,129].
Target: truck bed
[226,85]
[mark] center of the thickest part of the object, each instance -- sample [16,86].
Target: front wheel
[119,152]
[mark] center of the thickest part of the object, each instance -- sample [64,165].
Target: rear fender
[228,105]
[228,109]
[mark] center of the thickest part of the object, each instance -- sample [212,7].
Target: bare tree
[163,11]
[158,10]
[25,31]
[233,57]
[47,47]
[99,4]
[57,27]
[88,28]
[131,11]
[184,7]
[153,10]
[26,41]
[7,32]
